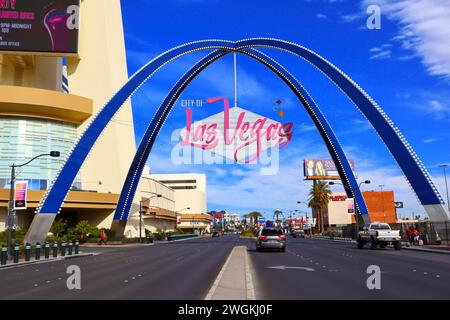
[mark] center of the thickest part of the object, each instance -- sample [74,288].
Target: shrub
[16,236]
[248,233]
[59,228]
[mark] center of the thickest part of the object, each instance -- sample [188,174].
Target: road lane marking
[285,267]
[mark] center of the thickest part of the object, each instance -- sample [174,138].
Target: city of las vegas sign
[235,133]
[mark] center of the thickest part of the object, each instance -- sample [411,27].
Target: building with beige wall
[190,199]
[156,209]
[36,117]
[380,205]
[337,214]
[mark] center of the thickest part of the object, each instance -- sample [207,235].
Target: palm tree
[319,197]
[254,215]
[244,221]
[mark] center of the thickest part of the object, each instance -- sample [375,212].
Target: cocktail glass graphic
[56,23]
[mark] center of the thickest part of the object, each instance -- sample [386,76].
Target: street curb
[426,250]
[248,279]
[216,282]
[23,264]
[119,245]
[172,241]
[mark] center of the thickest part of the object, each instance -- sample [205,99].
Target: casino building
[46,101]
[41,110]
[380,204]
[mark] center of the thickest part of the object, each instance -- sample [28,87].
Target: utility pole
[445,166]
[382,201]
[11,217]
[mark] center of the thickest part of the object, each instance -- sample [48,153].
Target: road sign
[398,205]
[261,219]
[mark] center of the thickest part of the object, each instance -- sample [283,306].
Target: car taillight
[262,237]
[282,237]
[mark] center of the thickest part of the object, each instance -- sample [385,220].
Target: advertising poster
[20,195]
[48,26]
[350,206]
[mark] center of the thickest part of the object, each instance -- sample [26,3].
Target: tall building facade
[46,102]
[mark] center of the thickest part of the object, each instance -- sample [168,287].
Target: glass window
[23,138]
[381,226]
[271,232]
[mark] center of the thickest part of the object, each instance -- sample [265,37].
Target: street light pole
[179,211]
[382,201]
[10,219]
[445,166]
[141,211]
[312,218]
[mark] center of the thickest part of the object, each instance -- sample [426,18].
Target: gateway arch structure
[413,169]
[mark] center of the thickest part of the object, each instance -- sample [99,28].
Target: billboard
[322,169]
[47,26]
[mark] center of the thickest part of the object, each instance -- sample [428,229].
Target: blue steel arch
[132,181]
[402,152]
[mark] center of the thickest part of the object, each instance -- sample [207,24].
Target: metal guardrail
[182,236]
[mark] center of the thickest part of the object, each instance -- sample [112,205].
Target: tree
[59,227]
[244,221]
[319,197]
[254,215]
[83,229]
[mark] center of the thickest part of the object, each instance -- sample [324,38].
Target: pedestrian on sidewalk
[410,233]
[102,237]
[416,236]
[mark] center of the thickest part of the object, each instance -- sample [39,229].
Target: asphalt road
[340,272]
[309,269]
[181,270]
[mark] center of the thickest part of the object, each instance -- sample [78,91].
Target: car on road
[297,232]
[271,238]
[379,234]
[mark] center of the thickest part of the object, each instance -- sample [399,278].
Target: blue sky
[404,66]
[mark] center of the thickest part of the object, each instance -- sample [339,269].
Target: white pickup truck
[380,234]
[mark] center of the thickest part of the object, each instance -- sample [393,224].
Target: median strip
[234,281]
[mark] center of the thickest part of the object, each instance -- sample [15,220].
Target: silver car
[271,238]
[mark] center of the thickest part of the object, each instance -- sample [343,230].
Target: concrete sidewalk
[234,281]
[405,246]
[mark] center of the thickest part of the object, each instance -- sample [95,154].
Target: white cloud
[424,29]
[430,140]
[351,17]
[321,16]
[381,55]
[438,109]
